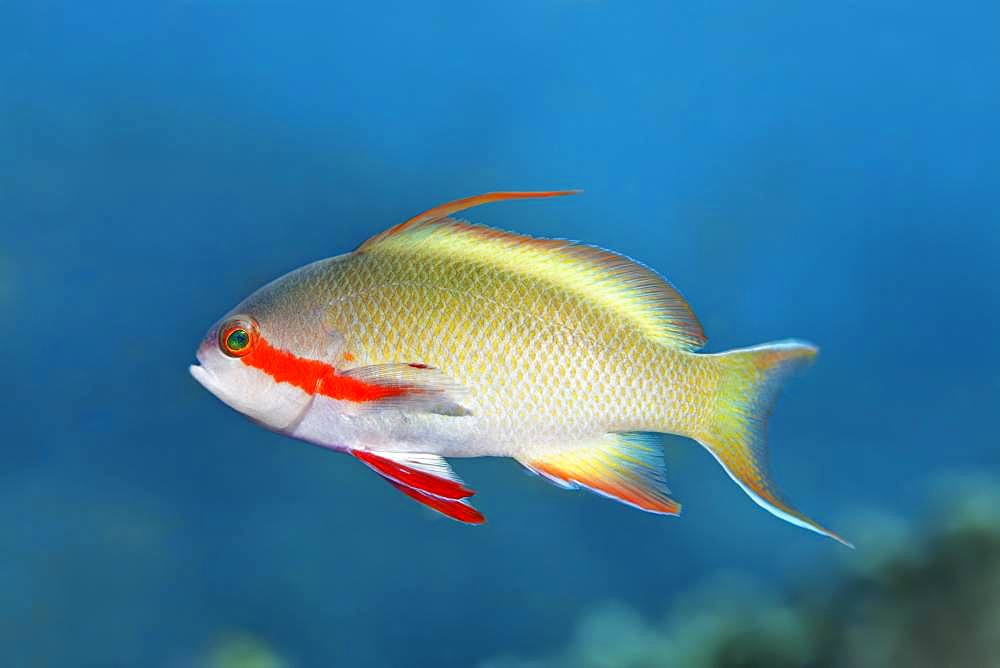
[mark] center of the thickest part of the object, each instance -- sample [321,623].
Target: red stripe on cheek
[313,376]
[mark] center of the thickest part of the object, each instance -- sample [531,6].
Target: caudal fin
[736,434]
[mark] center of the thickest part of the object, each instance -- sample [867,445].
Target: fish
[439,338]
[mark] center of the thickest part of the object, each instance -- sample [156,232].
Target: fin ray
[445,210]
[455,509]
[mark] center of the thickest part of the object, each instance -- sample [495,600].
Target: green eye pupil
[238,339]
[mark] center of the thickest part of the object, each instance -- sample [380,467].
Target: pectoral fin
[410,387]
[626,467]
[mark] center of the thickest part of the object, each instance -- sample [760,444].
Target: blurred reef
[925,596]
[241,650]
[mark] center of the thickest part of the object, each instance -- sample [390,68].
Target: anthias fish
[440,338]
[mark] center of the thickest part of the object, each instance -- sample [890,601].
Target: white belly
[342,425]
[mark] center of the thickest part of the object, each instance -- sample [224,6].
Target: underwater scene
[811,176]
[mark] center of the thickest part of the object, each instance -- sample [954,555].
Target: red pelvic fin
[426,479]
[456,510]
[427,474]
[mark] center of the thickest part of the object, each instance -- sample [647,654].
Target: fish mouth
[201,374]
[210,382]
[206,379]
[264,415]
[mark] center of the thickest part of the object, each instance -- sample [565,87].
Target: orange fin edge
[625,467]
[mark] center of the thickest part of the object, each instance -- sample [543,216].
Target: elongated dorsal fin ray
[611,281]
[445,210]
[626,467]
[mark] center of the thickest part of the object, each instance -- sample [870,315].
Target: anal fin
[427,479]
[626,467]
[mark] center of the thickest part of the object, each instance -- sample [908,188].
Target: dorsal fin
[445,210]
[613,281]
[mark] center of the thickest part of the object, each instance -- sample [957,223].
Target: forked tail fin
[736,433]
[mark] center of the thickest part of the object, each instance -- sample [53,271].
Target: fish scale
[546,367]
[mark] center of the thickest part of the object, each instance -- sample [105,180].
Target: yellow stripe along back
[618,284]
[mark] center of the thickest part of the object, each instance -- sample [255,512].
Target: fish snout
[201,371]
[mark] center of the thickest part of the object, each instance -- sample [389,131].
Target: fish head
[244,387]
[265,357]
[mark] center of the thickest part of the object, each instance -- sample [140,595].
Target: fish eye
[236,338]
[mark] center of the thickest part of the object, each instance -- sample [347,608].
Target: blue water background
[829,171]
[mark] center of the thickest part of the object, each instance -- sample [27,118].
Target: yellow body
[552,352]
[546,367]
